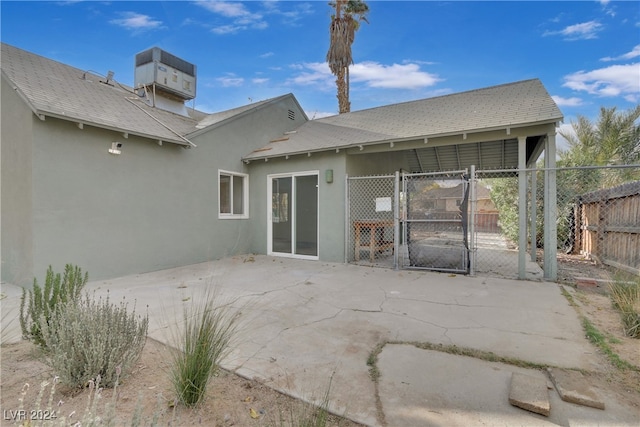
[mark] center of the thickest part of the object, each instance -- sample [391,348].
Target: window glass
[233,188]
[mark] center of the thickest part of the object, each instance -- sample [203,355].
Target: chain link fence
[598,219]
[370,220]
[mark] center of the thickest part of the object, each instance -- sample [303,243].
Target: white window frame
[245,195]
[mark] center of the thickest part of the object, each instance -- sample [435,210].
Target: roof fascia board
[458,138]
[245,113]
[401,144]
[113,128]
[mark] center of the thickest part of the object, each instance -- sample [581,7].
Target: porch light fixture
[328,176]
[115,148]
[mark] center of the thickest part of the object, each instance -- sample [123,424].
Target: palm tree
[344,25]
[614,139]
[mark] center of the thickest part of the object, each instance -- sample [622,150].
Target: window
[233,195]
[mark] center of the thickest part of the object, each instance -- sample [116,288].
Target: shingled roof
[53,89]
[510,105]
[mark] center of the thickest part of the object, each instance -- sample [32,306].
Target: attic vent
[292,115]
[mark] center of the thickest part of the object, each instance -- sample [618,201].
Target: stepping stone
[574,387]
[529,393]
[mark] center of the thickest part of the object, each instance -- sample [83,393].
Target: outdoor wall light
[115,148]
[328,176]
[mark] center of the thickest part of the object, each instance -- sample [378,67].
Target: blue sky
[586,53]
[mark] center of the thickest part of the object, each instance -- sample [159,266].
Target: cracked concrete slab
[306,321]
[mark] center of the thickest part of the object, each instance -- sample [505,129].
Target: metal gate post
[396,220]
[472,223]
[347,219]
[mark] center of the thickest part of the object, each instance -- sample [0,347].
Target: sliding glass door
[293,215]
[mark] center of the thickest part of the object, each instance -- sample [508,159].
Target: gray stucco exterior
[66,199]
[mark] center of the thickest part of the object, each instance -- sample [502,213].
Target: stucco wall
[15,187]
[376,163]
[331,200]
[149,208]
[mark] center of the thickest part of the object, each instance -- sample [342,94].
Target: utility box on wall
[168,72]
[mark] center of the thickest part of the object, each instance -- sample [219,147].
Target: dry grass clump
[625,297]
[206,338]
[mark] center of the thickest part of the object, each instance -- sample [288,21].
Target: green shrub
[625,297]
[205,339]
[91,338]
[42,303]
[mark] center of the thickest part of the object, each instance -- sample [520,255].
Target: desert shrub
[625,297]
[91,338]
[42,303]
[205,339]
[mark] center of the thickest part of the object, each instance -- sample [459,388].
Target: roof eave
[361,145]
[62,116]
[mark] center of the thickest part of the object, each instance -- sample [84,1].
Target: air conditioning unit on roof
[167,72]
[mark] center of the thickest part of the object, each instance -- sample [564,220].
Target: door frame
[292,175]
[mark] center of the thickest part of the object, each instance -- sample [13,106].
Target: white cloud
[396,76]
[634,53]
[259,81]
[241,17]
[136,21]
[228,29]
[224,8]
[612,81]
[583,31]
[371,74]
[567,102]
[561,141]
[266,55]
[231,80]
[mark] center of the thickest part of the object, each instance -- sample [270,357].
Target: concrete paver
[306,322]
[529,393]
[574,388]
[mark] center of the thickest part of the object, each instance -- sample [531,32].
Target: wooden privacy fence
[608,226]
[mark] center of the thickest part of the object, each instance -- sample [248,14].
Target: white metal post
[550,209]
[522,207]
[534,214]
[396,220]
[472,223]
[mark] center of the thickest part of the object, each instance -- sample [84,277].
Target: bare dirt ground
[594,304]
[231,400]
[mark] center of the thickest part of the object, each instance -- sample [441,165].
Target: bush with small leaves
[42,303]
[93,337]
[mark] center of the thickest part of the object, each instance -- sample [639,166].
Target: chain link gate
[409,221]
[436,221]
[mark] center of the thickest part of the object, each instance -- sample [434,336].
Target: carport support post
[522,207]
[550,209]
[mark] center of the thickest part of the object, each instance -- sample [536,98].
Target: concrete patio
[305,322]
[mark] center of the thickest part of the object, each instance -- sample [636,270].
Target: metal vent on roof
[292,115]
